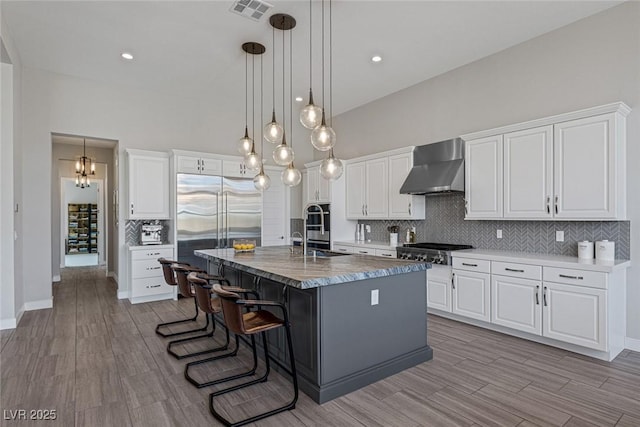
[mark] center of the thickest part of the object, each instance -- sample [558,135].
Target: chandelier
[82,173]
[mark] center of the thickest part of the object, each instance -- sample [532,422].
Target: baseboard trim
[19,315]
[113,275]
[56,278]
[123,294]
[632,344]
[38,305]
[9,323]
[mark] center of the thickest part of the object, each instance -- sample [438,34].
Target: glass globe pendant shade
[323,138]
[253,161]
[261,181]
[331,168]
[283,155]
[311,114]
[273,131]
[291,176]
[245,143]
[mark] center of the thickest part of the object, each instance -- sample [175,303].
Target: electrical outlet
[374,296]
[559,236]
[499,234]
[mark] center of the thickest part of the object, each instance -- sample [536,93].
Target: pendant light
[273,132]
[261,181]
[291,176]
[82,174]
[245,143]
[310,114]
[283,154]
[252,160]
[331,168]
[323,137]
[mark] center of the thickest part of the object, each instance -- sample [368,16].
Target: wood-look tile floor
[97,361]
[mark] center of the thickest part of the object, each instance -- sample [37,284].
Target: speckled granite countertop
[279,264]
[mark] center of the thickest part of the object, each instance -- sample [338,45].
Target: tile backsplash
[445,224]
[132,231]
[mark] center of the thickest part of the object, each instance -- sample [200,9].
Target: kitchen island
[355,319]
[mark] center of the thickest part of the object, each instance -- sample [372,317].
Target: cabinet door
[575,314]
[516,303]
[483,177]
[376,203]
[236,169]
[210,166]
[274,215]
[187,164]
[312,190]
[471,295]
[528,173]
[584,168]
[403,206]
[148,187]
[355,183]
[324,189]
[439,293]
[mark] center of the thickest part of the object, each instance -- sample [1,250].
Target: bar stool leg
[176,322]
[197,337]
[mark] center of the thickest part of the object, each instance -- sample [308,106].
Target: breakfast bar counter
[355,319]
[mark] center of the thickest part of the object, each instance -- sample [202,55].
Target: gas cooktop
[437,246]
[435,253]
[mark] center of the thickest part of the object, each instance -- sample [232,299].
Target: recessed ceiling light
[127,55]
[298,99]
[376,58]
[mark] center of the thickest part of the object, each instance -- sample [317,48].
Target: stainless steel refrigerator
[213,211]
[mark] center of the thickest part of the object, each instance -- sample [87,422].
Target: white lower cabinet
[439,288]
[145,274]
[516,303]
[471,292]
[575,314]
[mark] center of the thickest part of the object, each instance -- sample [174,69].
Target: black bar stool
[170,279]
[252,323]
[202,284]
[181,272]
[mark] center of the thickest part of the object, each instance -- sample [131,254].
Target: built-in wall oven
[318,224]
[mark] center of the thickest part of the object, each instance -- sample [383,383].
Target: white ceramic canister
[585,250]
[393,239]
[605,250]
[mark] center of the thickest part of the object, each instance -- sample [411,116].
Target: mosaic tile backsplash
[445,224]
[132,231]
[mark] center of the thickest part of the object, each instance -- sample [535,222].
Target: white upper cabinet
[585,168]
[235,168]
[275,210]
[403,206]
[376,188]
[569,167]
[528,173]
[148,176]
[355,176]
[483,177]
[198,165]
[317,189]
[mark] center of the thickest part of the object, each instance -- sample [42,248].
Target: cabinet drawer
[343,248]
[469,264]
[364,251]
[145,268]
[149,286]
[386,253]
[152,253]
[593,279]
[516,270]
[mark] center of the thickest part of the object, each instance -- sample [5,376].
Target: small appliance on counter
[151,233]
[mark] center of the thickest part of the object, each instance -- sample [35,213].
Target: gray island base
[342,340]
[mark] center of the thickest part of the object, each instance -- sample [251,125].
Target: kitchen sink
[326,254]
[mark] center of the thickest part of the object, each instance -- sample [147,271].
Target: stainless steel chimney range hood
[437,168]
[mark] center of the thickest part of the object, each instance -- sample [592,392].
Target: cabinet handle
[564,276]
[453,280]
[548,204]
[386,255]
[366,210]
[469,265]
[153,254]
[544,296]
[362,209]
[466,211]
[409,208]
[153,268]
[556,205]
[132,208]
[514,270]
[153,286]
[363,252]
[537,298]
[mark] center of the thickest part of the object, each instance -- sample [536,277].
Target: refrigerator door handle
[226,214]
[217,220]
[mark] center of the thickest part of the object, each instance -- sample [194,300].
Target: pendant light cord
[253,97]
[261,112]
[330,64]
[284,124]
[273,67]
[323,97]
[246,83]
[310,46]
[291,88]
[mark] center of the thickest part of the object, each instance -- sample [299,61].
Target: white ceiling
[193,48]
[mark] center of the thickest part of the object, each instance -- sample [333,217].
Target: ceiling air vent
[252,9]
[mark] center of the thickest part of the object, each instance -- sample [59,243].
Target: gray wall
[61,168]
[591,62]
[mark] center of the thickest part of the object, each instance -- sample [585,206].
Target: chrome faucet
[306,214]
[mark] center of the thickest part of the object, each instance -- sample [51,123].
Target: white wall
[591,62]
